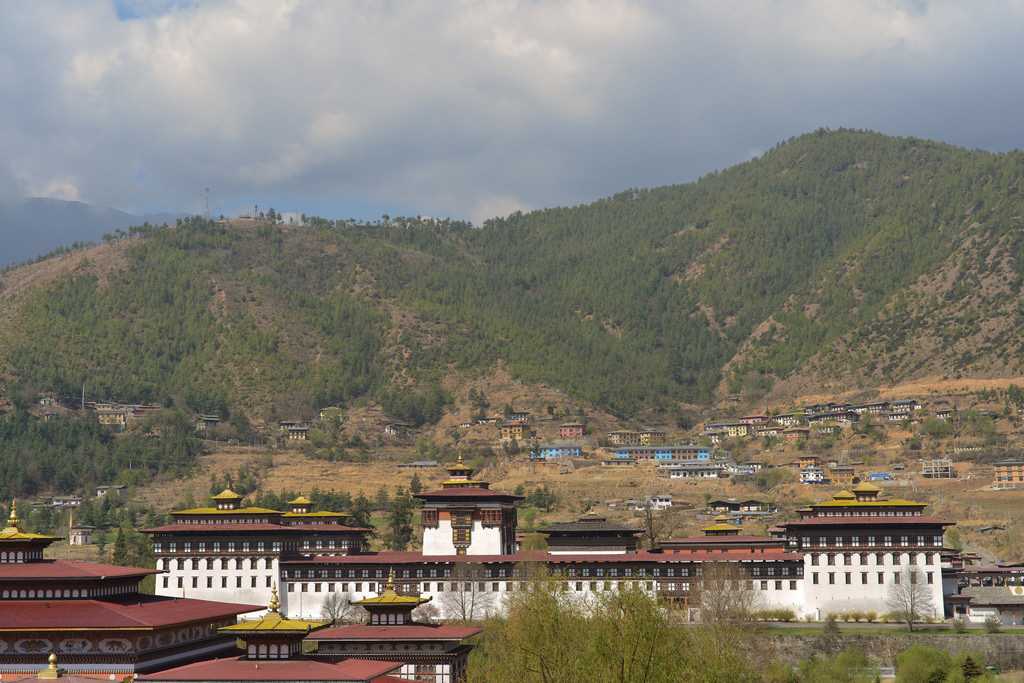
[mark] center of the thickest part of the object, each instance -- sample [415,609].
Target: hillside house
[812,475]
[938,468]
[1009,472]
[624,437]
[805,461]
[110,488]
[80,534]
[827,429]
[664,453]
[749,506]
[651,437]
[905,407]
[515,431]
[943,414]
[880,476]
[294,430]
[873,408]
[553,451]
[419,464]
[571,430]
[205,423]
[114,417]
[397,430]
[768,431]
[691,470]
[716,436]
[331,413]
[65,502]
[658,502]
[618,462]
[517,417]
[789,419]
[737,429]
[843,475]
[754,420]
[795,433]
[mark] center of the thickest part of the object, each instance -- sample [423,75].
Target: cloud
[473,108]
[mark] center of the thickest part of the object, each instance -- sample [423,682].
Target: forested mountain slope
[844,256]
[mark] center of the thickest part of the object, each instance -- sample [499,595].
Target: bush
[871,616]
[960,626]
[786,615]
[992,625]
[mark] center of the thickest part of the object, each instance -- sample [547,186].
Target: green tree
[400,527]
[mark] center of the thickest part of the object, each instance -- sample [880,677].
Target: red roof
[49,570]
[467,492]
[408,632]
[696,540]
[146,612]
[238,669]
[868,520]
[415,557]
[231,528]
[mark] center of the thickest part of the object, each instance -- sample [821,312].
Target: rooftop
[240,669]
[68,569]
[588,523]
[142,612]
[407,632]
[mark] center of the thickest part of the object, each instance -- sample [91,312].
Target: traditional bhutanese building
[591,534]
[229,551]
[272,649]
[857,545]
[428,652]
[465,517]
[93,616]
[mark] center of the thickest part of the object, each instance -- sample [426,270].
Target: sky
[471,109]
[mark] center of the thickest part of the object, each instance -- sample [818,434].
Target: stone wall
[1005,650]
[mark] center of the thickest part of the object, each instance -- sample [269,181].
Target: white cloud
[469,108]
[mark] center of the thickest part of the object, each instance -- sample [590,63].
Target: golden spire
[51,671]
[390,585]
[12,519]
[275,604]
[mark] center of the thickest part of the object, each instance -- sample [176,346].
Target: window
[937,541]
[831,578]
[209,582]
[778,585]
[223,582]
[871,541]
[881,578]
[931,578]
[814,560]
[855,540]
[896,578]
[864,578]
[814,578]
[764,585]
[848,578]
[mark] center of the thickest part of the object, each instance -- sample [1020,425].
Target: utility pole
[206,192]
[83,395]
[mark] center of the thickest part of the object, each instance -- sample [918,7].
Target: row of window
[62,593]
[869,541]
[224,581]
[871,558]
[343,544]
[874,512]
[865,576]
[503,572]
[223,563]
[16,556]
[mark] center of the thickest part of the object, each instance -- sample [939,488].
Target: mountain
[32,227]
[837,260]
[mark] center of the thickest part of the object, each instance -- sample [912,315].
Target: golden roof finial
[275,604]
[459,460]
[13,523]
[390,585]
[51,671]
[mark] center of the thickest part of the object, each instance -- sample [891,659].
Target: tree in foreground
[338,609]
[726,594]
[623,636]
[910,598]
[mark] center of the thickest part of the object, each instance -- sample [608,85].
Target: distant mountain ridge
[837,260]
[35,226]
